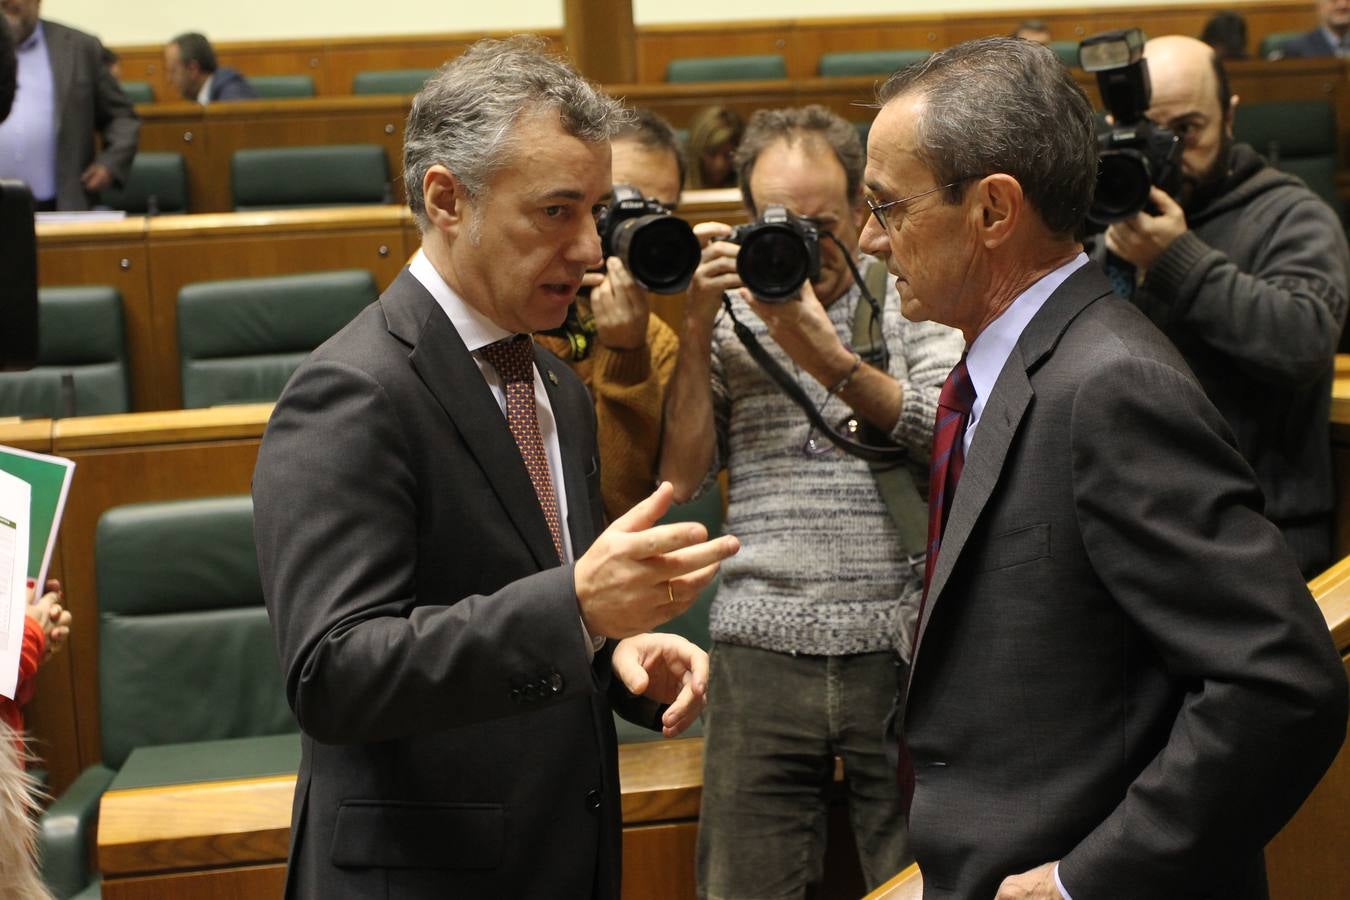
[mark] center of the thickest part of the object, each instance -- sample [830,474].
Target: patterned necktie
[949,457]
[513,358]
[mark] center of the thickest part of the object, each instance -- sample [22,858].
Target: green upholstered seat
[325,175]
[186,654]
[1067,51]
[81,361]
[693,622]
[157,184]
[390,81]
[1298,137]
[240,340]
[280,87]
[868,62]
[139,91]
[1272,45]
[727,68]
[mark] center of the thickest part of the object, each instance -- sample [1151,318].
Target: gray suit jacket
[1119,664]
[457,741]
[88,101]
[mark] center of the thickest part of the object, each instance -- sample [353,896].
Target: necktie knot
[958,392]
[512,357]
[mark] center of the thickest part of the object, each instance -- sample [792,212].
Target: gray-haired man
[451,628]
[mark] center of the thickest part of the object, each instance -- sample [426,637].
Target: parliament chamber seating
[1298,137]
[186,656]
[240,340]
[868,62]
[157,184]
[1272,45]
[324,175]
[81,365]
[138,91]
[1067,51]
[279,87]
[390,81]
[764,67]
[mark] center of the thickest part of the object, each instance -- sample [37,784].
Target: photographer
[1246,271]
[808,621]
[622,352]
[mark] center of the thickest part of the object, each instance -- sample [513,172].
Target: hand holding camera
[1143,237]
[619,306]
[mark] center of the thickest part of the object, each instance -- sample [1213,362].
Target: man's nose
[874,239]
[586,248]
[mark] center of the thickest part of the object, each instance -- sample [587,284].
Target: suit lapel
[1003,412]
[62,61]
[575,458]
[449,371]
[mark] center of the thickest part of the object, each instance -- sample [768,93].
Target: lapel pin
[552,377]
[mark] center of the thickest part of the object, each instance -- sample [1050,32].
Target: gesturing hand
[668,669]
[639,574]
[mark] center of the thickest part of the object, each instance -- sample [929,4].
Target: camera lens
[773,262]
[660,251]
[1123,182]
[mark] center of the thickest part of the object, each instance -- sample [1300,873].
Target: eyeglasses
[818,445]
[879,209]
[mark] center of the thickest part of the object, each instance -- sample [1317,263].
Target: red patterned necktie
[949,457]
[513,358]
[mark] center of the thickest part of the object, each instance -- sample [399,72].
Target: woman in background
[714,135]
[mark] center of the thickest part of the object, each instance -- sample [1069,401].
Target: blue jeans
[774,725]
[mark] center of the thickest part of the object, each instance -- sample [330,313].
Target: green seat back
[157,184]
[1067,51]
[325,175]
[693,622]
[1272,45]
[390,81]
[1298,137]
[185,649]
[726,68]
[240,340]
[869,62]
[139,91]
[80,335]
[280,87]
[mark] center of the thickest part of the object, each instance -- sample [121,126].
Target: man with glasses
[620,351]
[811,626]
[1246,271]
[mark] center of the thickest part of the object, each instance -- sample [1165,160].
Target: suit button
[515,694]
[555,683]
[593,800]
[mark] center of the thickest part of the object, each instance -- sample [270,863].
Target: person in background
[1226,32]
[66,96]
[112,62]
[1331,37]
[714,135]
[614,344]
[191,67]
[1247,271]
[1033,30]
[46,628]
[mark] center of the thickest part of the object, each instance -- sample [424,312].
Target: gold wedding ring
[670,592]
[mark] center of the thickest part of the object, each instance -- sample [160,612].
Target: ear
[997,209]
[445,200]
[1232,110]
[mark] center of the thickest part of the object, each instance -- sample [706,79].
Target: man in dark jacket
[1329,38]
[1246,271]
[190,63]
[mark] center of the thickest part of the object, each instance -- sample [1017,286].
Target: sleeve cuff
[1063,891]
[1172,270]
[623,367]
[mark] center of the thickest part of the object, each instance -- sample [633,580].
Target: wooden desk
[230,838]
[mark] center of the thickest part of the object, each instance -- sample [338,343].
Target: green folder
[49,477]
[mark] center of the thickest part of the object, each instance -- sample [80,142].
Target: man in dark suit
[66,94]
[422,477]
[1329,38]
[191,67]
[1121,686]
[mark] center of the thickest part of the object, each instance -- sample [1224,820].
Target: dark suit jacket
[88,101]
[1119,664]
[227,84]
[1308,46]
[457,742]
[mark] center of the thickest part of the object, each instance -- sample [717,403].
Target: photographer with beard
[1246,272]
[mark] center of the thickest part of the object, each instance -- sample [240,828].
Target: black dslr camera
[1135,153]
[778,253]
[659,249]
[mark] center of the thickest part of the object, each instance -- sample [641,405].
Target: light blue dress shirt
[28,136]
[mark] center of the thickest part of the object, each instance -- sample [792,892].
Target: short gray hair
[1005,105]
[464,115]
[801,124]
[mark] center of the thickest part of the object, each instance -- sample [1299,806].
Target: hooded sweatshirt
[1254,297]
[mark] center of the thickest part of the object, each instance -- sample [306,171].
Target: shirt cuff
[1059,884]
[593,642]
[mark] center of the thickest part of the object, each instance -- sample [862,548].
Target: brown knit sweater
[629,388]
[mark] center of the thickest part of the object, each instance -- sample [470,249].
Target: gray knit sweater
[820,570]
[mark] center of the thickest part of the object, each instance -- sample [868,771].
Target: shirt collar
[35,40]
[475,329]
[986,357]
[204,95]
